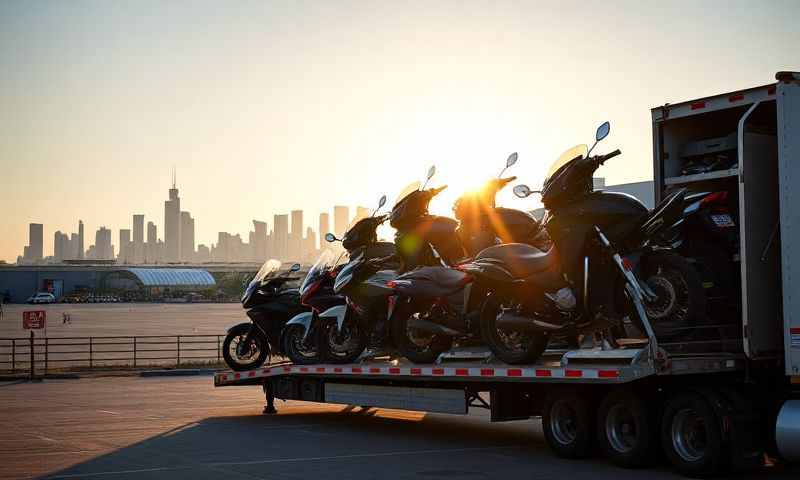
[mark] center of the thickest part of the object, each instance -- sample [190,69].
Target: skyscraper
[296,236]
[137,251]
[80,240]
[324,227]
[60,246]
[35,241]
[152,244]
[341,218]
[361,212]
[172,224]
[102,245]
[280,237]
[187,237]
[259,241]
[124,245]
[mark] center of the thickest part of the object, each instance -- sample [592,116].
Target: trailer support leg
[269,393]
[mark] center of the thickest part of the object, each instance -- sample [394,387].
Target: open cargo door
[788,98]
[759,232]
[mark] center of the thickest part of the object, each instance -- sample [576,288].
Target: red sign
[34,320]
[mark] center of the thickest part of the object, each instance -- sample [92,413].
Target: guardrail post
[178,362]
[90,353]
[13,355]
[219,349]
[134,352]
[46,348]
[33,373]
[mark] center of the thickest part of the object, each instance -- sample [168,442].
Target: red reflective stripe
[487,372]
[356,369]
[543,373]
[304,369]
[416,371]
[374,370]
[795,331]
[224,377]
[771,90]
[462,372]
[320,369]
[265,371]
[287,369]
[438,371]
[736,97]
[573,373]
[514,372]
[394,371]
[251,374]
[698,105]
[608,373]
[337,370]
[237,376]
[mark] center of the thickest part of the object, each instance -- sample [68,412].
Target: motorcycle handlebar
[437,191]
[608,156]
[507,180]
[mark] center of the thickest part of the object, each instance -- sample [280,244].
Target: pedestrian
[63,318]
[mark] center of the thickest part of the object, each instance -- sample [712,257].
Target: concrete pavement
[183,428]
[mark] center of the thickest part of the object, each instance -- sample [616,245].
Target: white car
[42,297]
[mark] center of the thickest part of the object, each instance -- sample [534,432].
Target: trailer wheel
[568,423]
[692,437]
[626,430]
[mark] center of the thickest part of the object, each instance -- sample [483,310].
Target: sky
[268,106]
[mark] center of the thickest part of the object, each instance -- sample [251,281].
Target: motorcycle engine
[564,299]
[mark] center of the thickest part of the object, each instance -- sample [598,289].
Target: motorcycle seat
[665,214]
[430,282]
[525,263]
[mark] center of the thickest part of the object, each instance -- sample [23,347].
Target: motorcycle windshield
[324,264]
[409,189]
[577,151]
[267,270]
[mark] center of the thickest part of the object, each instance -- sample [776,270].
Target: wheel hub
[688,433]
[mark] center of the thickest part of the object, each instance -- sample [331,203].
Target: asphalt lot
[183,428]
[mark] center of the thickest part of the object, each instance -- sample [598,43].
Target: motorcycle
[603,243]
[299,336]
[270,305]
[345,329]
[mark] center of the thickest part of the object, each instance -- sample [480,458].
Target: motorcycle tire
[681,302]
[530,347]
[296,348]
[407,347]
[259,348]
[341,347]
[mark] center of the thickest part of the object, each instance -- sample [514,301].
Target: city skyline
[297,241]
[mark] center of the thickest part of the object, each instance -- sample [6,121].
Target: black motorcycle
[299,336]
[345,330]
[603,244]
[270,304]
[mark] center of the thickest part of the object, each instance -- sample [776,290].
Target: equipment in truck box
[709,155]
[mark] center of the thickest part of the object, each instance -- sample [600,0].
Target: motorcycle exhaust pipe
[431,327]
[513,321]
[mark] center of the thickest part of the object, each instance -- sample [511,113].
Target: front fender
[247,324]
[303,319]
[338,312]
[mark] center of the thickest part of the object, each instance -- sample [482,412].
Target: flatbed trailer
[720,403]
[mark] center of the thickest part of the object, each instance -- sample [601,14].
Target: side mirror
[295,267]
[522,191]
[431,172]
[602,131]
[512,159]
[330,238]
[382,201]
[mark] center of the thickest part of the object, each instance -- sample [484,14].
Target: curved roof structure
[173,277]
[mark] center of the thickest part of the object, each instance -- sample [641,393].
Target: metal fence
[17,355]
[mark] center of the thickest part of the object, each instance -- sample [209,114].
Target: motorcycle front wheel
[242,357]
[512,347]
[342,346]
[301,348]
[417,346]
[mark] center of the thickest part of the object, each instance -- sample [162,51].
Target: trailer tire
[568,423]
[692,436]
[626,429]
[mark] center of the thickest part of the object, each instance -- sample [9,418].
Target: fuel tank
[616,214]
[412,244]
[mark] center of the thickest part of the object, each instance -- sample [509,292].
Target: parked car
[42,297]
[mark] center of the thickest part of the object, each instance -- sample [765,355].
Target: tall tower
[341,218]
[137,252]
[35,241]
[296,237]
[324,227]
[259,241]
[187,237]
[172,223]
[124,246]
[280,237]
[80,241]
[152,244]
